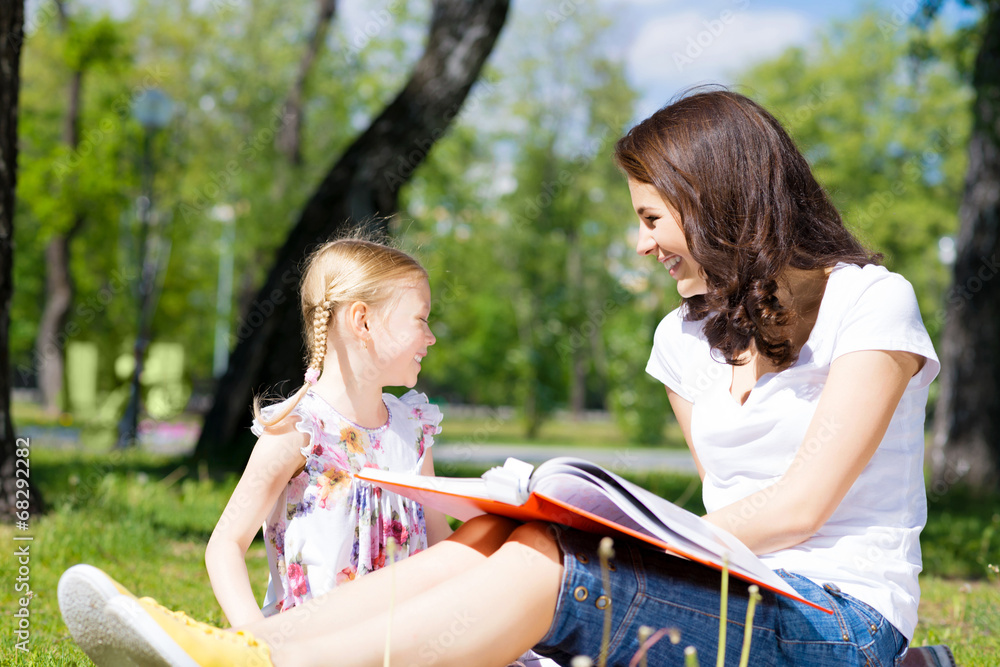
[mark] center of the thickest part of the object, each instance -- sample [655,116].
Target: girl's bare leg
[368,596]
[487,615]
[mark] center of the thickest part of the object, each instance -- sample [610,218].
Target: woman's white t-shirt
[870,546]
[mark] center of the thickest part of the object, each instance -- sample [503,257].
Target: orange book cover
[446,495]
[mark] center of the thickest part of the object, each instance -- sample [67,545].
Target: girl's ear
[357,318]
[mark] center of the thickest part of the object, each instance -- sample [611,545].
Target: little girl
[365,308]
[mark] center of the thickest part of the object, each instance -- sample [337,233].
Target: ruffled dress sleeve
[427,416]
[306,421]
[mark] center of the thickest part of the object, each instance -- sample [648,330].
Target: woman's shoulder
[871,308]
[871,293]
[849,282]
[675,329]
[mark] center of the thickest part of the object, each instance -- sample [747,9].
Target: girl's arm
[437,525]
[854,411]
[275,458]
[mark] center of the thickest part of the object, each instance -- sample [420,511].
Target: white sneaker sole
[138,639]
[84,591]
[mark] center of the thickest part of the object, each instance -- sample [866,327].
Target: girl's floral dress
[326,527]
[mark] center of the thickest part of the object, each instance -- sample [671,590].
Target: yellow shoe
[83,593]
[149,634]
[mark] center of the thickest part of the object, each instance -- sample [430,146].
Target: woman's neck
[801,292]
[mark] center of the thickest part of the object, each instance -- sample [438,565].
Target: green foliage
[94,42]
[962,537]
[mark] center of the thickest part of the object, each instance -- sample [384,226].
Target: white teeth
[671,263]
[417,358]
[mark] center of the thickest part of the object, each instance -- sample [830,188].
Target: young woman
[798,371]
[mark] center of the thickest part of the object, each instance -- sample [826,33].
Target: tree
[363,185]
[967,419]
[289,139]
[88,44]
[12,496]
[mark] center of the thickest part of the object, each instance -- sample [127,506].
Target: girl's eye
[650,220]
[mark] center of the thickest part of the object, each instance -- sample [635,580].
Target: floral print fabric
[327,527]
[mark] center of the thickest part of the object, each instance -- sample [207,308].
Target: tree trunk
[49,345]
[289,138]
[967,419]
[25,500]
[364,183]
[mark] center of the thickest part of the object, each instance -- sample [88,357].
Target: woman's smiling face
[660,234]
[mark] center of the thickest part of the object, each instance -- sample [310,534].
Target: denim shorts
[655,589]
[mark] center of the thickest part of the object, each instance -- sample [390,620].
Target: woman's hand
[275,459]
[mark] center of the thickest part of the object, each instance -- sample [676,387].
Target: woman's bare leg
[487,615]
[368,596]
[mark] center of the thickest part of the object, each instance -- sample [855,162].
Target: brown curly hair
[750,208]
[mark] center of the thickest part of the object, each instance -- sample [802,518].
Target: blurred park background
[176,160]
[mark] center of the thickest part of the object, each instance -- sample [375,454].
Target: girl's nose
[431,338]
[646,244]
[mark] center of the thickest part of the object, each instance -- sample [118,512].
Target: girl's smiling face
[660,234]
[401,337]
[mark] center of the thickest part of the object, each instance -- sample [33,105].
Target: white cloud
[673,51]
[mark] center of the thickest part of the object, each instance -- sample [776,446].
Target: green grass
[583,433]
[963,614]
[142,519]
[115,512]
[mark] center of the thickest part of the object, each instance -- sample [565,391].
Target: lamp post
[226,215]
[153,109]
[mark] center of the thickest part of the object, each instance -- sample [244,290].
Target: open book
[583,495]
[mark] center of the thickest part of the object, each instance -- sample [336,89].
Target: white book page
[474,487]
[672,522]
[584,491]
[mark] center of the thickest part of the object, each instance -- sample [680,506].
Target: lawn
[147,518]
[505,427]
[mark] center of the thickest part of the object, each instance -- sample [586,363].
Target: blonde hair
[340,273]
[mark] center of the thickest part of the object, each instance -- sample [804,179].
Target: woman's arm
[437,525]
[854,411]
[275,458]
[682,412]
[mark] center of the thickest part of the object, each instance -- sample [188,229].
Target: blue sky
[672,44]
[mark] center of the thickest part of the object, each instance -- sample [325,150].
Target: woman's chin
[688,288]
